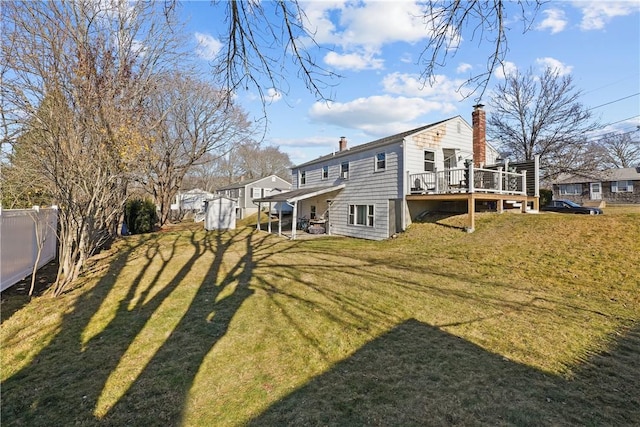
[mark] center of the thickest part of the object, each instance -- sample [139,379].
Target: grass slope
[532,319]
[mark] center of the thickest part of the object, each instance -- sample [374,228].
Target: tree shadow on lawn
[417,374]
[65,384]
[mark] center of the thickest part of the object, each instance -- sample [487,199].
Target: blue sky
[375,47]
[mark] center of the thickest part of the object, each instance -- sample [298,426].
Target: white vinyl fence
[21,232]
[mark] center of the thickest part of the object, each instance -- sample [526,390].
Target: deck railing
[457,181]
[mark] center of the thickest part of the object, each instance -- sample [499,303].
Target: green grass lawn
[531,320]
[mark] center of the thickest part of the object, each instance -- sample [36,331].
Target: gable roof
[374,144]
[242,184]
[616,174]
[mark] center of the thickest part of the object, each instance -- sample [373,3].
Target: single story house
[377,189]
[245,192]
[621,185]
[191,201]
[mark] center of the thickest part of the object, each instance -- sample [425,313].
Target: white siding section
[454,134]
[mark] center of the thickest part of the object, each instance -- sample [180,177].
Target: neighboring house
[246,191]
[192,200]
[611,186]
[375,190]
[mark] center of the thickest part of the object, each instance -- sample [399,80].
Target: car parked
[567,206]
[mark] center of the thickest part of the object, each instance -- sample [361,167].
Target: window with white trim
[303,177]
[429,161]
[361,215]
[344,170]
[622,186]
[256,193]
[325,172]
[570,189]
[312,212]
[381,161]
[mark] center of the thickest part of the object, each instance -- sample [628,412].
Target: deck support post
[471,208]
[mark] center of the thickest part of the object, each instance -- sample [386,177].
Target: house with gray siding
[364,191]
[615,186]
[246,191]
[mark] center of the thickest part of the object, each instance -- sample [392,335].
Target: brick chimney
[478,122]
[343,143]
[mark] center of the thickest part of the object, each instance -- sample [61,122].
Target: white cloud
[378,115]
[208,46]
[507,68]
[406,58]
[371,24]
[554,64]
[463,67]
[596,14]
[354,61]
[554,20]
[273,95]
[442,87]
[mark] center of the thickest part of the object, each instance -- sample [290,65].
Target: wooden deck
[471,198]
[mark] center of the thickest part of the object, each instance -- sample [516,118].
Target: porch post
[269,216]
[280,220]
[471,207]
[259,209]
[523,208]
[294,220]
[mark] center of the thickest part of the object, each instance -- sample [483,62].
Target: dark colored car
[567,206]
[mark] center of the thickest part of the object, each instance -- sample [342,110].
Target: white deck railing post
[471,178]
[524,182]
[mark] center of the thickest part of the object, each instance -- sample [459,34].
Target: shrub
[140,215]
[545,196]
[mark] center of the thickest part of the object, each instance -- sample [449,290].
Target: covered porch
[294,198]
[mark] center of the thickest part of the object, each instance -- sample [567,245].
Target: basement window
[361,215]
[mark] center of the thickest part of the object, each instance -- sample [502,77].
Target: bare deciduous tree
[541,115]
[620,150]
[261,36]
[192,122]
[74,81]
[257,161]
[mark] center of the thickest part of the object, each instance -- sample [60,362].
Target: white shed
[220,213]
